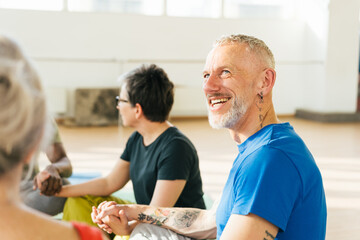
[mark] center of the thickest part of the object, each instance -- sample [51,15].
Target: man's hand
[110,208]
[115,221]
[48,181]
[118,225]
[99,222]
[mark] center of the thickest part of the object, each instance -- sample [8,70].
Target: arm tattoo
[141,217]
[269,235]
[152,219]
[159,217]
[183,219]
[186,219]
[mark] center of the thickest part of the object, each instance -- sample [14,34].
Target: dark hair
[150,86]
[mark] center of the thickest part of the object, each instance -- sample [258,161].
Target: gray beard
[231,118]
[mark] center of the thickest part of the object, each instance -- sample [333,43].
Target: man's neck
[252,122]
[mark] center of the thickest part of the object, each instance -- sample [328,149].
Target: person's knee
[74,200]
[49,205]
[77,204]
[77,209]
[141,227]
[146,231]
[143,231]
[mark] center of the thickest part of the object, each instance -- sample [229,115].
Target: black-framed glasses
[118,100]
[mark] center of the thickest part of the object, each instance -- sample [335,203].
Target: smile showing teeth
[219,101]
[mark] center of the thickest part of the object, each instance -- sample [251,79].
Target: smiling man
[274,189]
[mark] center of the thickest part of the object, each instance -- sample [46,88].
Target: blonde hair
[22,105]
[256,45]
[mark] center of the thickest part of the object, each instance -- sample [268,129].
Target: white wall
[315,15]
[342,60]
[333,29]
[74,50]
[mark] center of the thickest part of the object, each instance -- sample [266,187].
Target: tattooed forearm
[186,218]
[159,217]
[152,219]
[269,235]
[182,219]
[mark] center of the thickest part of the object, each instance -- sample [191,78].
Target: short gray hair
[256,45]
[22,105]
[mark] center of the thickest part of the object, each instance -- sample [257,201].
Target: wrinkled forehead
[230,55]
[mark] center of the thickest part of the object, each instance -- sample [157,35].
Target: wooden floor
[336,148]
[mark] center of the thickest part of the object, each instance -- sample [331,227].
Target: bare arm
[190,222]
[49,181]
[167,192]
[251,226]
[103,186]
[59,160]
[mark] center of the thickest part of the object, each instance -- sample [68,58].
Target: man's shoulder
[282,148]
[276,144]
[280,136]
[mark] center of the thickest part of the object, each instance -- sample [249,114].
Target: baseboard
[327,117]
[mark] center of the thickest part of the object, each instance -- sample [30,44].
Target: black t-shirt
[170,157]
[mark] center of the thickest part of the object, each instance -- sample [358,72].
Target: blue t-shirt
[275,177]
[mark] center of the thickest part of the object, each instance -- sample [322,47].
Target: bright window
[282,9]
[194,8]
[146,7]
[259,8]
[50,5]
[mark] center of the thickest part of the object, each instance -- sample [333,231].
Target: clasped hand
[111,218]
[48,181]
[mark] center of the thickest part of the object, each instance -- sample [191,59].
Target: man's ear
[268,81]
[138,111]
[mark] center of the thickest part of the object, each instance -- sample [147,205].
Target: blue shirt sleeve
[267,184]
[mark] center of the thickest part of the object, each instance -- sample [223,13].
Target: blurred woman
[22,121]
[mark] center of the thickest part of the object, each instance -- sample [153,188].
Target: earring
[261,97]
